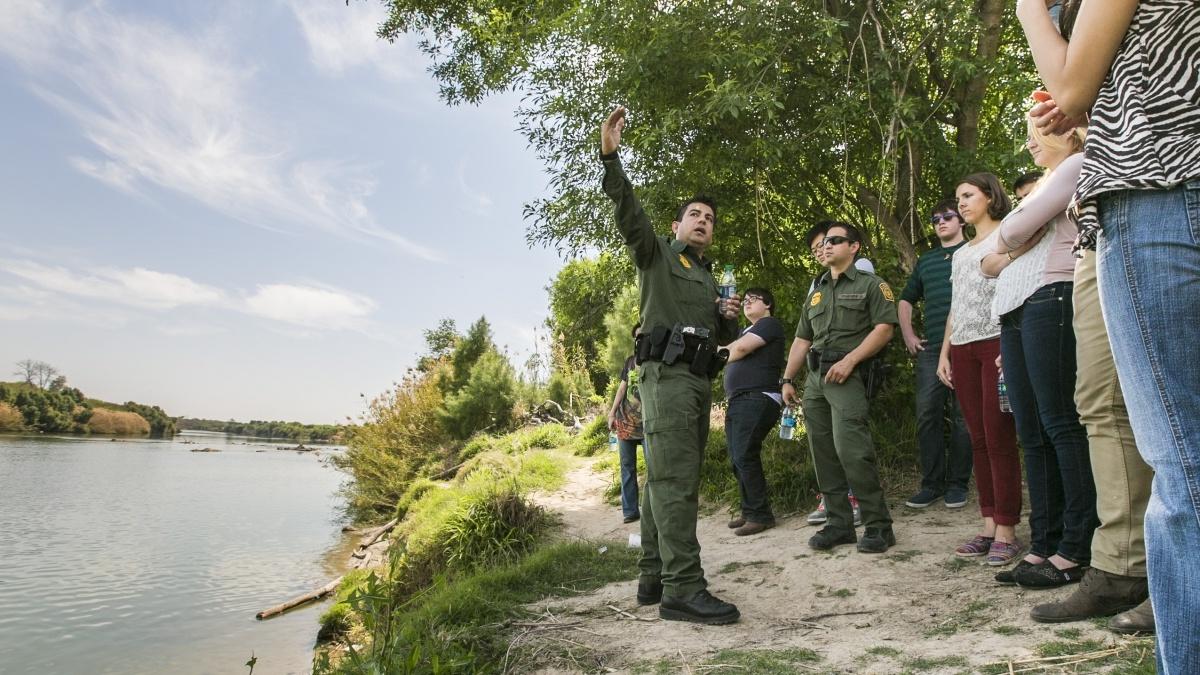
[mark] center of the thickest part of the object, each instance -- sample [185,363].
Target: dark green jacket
[675,282]
[840,313]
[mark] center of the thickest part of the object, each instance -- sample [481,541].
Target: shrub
[485,402]
[117,423]
[592,438]
[401,436]
[10,418]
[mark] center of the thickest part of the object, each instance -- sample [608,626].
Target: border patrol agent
[848,318]
[682,322]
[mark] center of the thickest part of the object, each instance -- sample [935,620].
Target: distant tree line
[261,429]
[42,401]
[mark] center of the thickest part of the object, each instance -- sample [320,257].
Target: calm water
[140,556]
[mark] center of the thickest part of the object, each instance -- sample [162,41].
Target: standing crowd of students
[1065,326]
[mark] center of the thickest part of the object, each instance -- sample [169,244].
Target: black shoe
[1046,575]
[877,540]
[632,519]
[649,592]
[1007,577]
[827,537]
[699,607]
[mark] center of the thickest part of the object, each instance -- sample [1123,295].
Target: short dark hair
[767,296]
[852,232]
[946,205]
[636,326]
[697,199]
[821,227]
[1026,179]
[991,186]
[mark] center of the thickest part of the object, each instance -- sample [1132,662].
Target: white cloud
[342,37]
[174,110]
[312,306]
[137,287]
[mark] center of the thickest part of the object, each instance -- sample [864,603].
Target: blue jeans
[1149,267]
[1037,343]
[943,466]
[747,422]
[629,484]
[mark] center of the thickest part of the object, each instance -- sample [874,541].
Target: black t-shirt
[759,370]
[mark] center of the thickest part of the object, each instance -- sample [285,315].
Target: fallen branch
[810,619]
[300,600]
[627,614]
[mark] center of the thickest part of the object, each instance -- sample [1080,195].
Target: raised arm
[632,221]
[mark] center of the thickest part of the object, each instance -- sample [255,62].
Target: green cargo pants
[675,408]
[835,416]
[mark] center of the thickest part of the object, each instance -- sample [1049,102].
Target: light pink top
[1047,204]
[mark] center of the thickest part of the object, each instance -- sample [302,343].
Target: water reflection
[136,556]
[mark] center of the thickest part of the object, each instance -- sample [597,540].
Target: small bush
[10,418]
[401,437]
[592,438]
[497,527]
[116,423]
[486,400]
[337,620]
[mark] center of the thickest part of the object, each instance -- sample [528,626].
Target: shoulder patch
[887,291]
[684,261]
[816,299]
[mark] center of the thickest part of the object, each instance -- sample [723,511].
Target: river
[141,556]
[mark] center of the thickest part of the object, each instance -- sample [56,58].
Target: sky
[248,210]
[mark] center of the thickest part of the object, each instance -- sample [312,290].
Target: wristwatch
[784,380]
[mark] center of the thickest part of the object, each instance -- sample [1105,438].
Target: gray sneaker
[817,517]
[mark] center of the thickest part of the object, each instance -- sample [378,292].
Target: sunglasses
[834,240]
[939,217]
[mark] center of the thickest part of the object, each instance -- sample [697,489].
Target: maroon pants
[993,434]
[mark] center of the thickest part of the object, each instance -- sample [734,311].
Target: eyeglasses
[834,240]
[751,299]
[939,217]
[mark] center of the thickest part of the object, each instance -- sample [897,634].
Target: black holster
[874,373]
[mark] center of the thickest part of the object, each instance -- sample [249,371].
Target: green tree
[618,329]
[468,350]
[485,401]
[581,293]
[439,344]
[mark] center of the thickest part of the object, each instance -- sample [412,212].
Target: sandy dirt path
[916,608]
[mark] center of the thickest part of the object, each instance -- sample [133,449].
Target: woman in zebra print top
[1135,68]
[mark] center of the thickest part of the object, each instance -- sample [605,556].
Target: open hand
[610,131]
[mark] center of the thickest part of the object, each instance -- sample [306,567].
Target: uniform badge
[816,299]
[684,261]
[887,291]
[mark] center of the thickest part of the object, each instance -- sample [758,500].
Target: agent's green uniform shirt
[840,313]
[837,316]
[676,286]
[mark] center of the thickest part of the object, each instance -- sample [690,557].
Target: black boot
[877,540]
[699,607]
[827,537]
[649,592]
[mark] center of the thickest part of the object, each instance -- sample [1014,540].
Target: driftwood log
[361,557]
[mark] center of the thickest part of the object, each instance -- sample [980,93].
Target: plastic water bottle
[612,442]
[787,424]
[1002,394]
[728,285]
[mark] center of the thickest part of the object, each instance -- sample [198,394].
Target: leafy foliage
[485,400]
[580,296]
